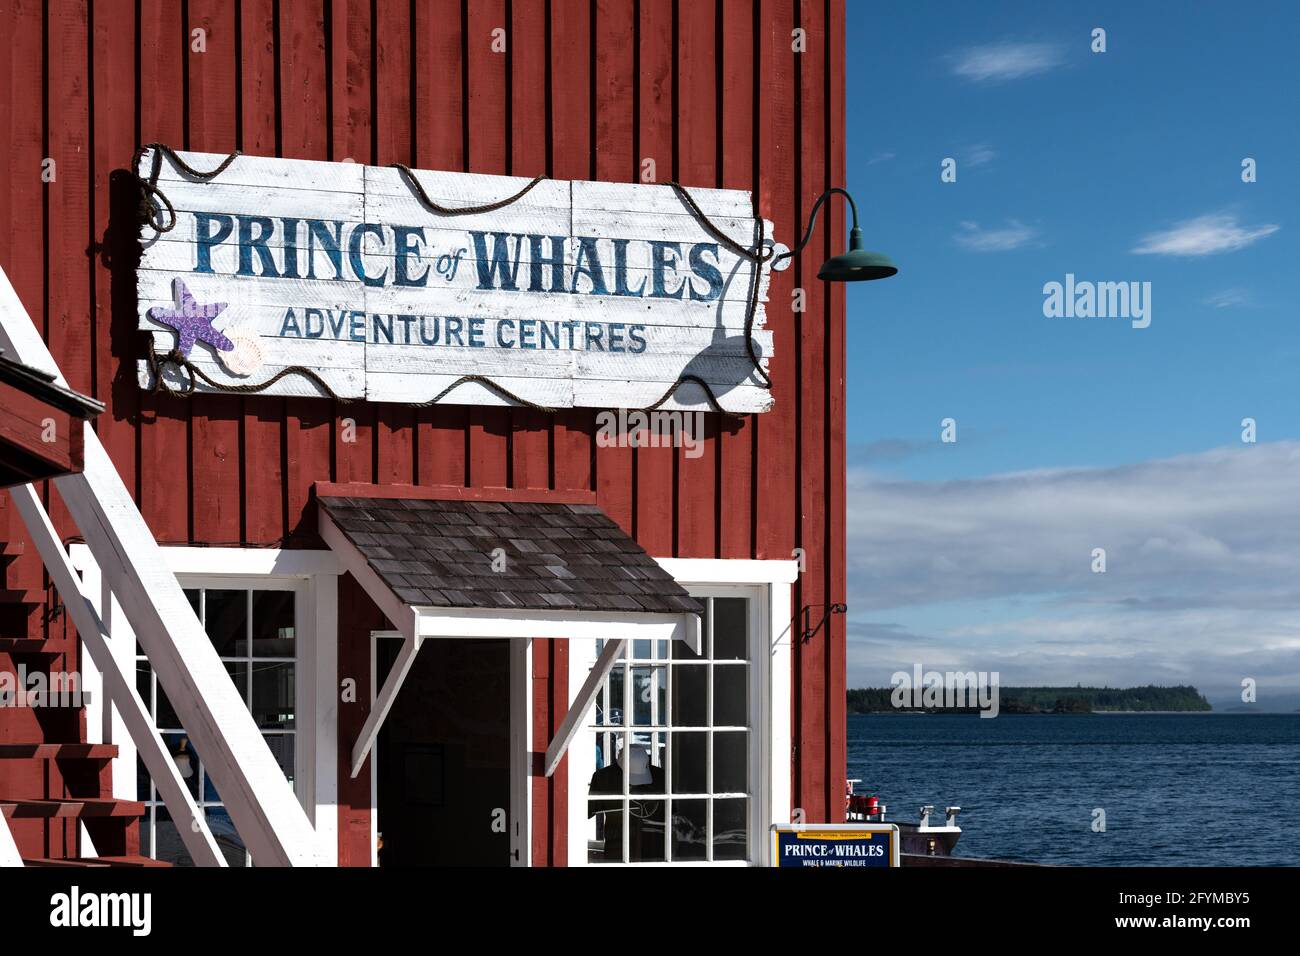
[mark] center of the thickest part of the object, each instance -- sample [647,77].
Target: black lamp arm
[812,220]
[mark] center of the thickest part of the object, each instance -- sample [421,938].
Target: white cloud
[980,155]
[1203,236]
[881,158]
[1225,517]
[1006,61]
[1202,582]
[1228,298]
[971,235]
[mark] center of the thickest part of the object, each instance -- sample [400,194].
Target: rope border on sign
[154,203]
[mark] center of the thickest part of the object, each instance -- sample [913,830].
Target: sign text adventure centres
[577,294]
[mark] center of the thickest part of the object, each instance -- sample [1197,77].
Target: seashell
[245,358]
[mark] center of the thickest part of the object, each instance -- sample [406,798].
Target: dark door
[443,755]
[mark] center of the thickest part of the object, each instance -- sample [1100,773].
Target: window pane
[168,845]
[730,629]
[282,747]
[186,759]
[690,762]
[731,695]
[273,625]
[166,718]
[238,671]
[613,714]
[730,762]
[656,745]
[144,683]
[608,778]
[210,794]
[690,829]
[143,787]
[649,696]
[273,695]
[730,829]
[601,713]
[690,695]
[607,847]
[146,833]
[228,841]
[226,622]
[193,595]
[645,837]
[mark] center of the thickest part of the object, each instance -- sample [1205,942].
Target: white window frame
[313,575]
[767,584]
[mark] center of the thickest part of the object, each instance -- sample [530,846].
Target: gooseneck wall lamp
[858,264]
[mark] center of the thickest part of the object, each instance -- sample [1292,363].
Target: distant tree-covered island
[1052,700]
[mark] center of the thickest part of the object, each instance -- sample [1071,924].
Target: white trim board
[558,625]
[239,562]
[689,571]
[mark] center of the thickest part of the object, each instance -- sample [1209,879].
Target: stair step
[63,700]
[22,596]
[27,645]
[66,700]
[11,549]
[96,861]
[80,808]
[58,751]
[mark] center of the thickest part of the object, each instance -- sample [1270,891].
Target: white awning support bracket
[572,722]
[120,688]
[401,615]
[384,701]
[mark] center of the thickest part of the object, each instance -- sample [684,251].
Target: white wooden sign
[579,294]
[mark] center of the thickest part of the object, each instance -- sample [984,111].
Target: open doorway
[443,756]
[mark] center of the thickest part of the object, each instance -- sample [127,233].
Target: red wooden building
[709,747]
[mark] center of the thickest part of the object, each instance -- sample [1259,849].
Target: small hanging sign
[855,845]
[289,277]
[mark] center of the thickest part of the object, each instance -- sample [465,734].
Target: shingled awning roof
[448,554]
[430,558]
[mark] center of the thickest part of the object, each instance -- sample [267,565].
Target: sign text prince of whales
[578,294]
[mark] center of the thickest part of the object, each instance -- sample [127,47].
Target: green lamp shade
[858,264]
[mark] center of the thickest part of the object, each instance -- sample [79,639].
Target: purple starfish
[192,322]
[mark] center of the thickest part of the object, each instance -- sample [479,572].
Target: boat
[915,839]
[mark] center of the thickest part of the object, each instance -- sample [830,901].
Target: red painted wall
[709,89]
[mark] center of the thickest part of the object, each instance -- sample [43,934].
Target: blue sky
[1115,166]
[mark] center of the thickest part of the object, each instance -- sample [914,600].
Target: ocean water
[1177,789]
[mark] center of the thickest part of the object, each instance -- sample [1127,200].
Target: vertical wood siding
[710,90]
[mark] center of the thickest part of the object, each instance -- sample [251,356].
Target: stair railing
[256,794]
[119,687]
